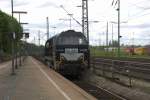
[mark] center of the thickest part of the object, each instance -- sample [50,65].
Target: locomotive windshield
[71,40]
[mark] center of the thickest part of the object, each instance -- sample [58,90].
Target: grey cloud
[2,0]
[37,26]
[43,25]
[61,25]
[145,34]
[146,25]
[20,3]
[48,4]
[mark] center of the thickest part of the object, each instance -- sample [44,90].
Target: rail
[113,94]
[126,68]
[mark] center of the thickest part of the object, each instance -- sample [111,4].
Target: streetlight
[54,27]
[90,22]
[119,36]
[67,20]
[70,19]
[106,33]
[19,12]
[24,23]
[118,9]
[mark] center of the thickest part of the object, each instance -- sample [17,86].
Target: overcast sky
[135,14]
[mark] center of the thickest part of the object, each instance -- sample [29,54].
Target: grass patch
[100,52]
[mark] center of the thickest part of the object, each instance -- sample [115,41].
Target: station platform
[35,81]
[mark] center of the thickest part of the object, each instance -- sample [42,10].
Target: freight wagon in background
[129,50]
[137,50]
[140,51]
[148,51]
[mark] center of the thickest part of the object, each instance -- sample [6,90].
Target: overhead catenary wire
[70,15]
[140,13]
[143,8]
[133,17]
[140,7]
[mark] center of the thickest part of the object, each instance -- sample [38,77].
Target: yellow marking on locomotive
[61,60]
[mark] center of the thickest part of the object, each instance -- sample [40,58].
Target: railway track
[142,59]
[98,92]
[128,68]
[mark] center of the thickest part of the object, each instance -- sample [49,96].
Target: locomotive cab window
[74,40]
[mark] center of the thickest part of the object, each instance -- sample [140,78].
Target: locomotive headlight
[81,57]
[62,58]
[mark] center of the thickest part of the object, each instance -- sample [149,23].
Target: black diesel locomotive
[67,52]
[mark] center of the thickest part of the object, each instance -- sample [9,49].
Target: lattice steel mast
[85,22]
[85,25]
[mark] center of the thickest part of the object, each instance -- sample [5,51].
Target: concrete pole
[19,45]
[47,20]
[107,37]
[118,28]
[13,53]
[112,34]
[39,37]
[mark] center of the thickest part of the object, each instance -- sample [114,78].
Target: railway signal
[26,35]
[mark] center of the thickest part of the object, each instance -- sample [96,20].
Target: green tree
[7,26]
[114,43]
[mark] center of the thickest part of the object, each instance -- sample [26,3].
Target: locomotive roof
[68,33]
[71,33]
